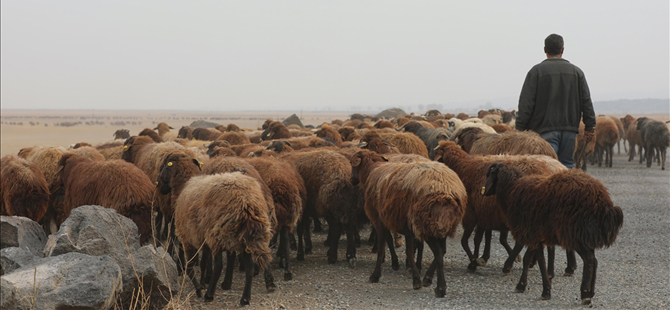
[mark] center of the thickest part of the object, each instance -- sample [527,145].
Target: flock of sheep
[238,191]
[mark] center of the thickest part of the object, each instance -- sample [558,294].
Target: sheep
[185,132]
[113,184]
[582,149]
[408,143]
[151,134]
[279,146]
[483,212]
[459,127]
[327,131]
[233,127]
[423,200]
[164,132]
[24,190]
[462,116]
[607,134]
[512,143]
[656,137]
[234,138]
[348,133]
[205,134]
[80,144]
[121,134]
[288,193]
[500,128]
[220,212]
[622,135]
[568,208]
[483,113]
[383,124]
[430,136]
[46,158]
[88,152]
[433,113]
[110,150]
[276,130]
[373,141]
[492,119]
[330,194]
[634,138]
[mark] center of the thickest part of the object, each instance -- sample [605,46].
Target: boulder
[98,231]
[203,124]
[7,295]
[15,258]
[17,231]
[68,281]
[293,120]
[391,113]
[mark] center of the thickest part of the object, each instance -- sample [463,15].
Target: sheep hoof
[506,270]
[586,301]
[374,279]
[352,262]
[480,262]
[520,288]
[308,251]
[569,273]
[288,276]
[209,298]
[440,292]
[332,260]
[395,265]
[293,247]
[427,281]
[198,293]
[244,302]
[416,283]
[300,257]
[546,295]
[472,267]
[226,286]
[270,287]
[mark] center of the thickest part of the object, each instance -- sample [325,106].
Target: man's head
[553,45]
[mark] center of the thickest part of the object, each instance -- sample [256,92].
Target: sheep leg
[546,281]
[663,153]
[381,253]
[487,248]
[301,248]
[503,241]
[230,265]
[436,247]
[572,263]
[428,277]
[419,253]
[467,232]
[523,281]
[190,255]
[218,266]
[588,276]
[206,265]
[631,152]
[509,263]
[479,235]
[350,230]
[269,280]
[291,240]
[249,274]
[317,225]
[308,237]
[611,155]
[283,249]
[357,236]
[416,276]
[600,157]
[395,265]
[334,233]
[551,256]
[372,240]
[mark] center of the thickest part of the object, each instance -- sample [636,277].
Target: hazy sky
[313,55]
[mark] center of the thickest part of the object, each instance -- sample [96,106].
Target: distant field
[15,137]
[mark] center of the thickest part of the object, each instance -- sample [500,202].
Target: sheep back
[513,143]
[23,190]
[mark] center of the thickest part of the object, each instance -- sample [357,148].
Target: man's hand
[589,135]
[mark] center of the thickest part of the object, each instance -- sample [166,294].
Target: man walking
[553,100]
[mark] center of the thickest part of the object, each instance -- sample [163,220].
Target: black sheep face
[491,182]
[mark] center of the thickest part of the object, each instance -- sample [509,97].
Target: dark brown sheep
[151,134]
[500,128]
[622,134]
[422,200]
[401,121]
[221,212]
[373,141]
[111,150]
[233,127]
[383,124]
[121,134]
[205,134]
[185,132]
[81,144]
[483,212]
[462,116]
[512,143]
[634,138]
[288,193]
[217,143]
[330,194]
[46,158]
[113,184]
[656,138]
[221,151]
[569,208]
[279,146]
[430,136]
[582,149]
[349,133]
[327,132]
[23,190]
[276,130]
[234,138]
[607,135]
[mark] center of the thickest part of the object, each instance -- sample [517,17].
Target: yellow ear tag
[169,164]
[125,147]
[200,164]
[193,139]
[483,189]
[155,183]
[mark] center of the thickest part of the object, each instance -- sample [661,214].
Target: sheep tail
[256,235]
[612,222]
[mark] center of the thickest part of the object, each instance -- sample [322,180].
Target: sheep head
[362,163]
[175,170]
[277,146]
[491,182]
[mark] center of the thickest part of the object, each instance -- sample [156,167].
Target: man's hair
[553,44]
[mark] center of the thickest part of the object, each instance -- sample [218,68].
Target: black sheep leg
[409,243]
[546,282]
[230,265]
[418,245]
[205,265]
[248,277]
[218,266]
[523,281]
[551,257]
[190,255]
[509,263]
[381,253]
[269,280]
[437,248]
[300,230]
[284,251]
[351,231]
[488,235]
[572,263]
[395,265]
[588,276]
[479,234]
[467,232]
[334,233]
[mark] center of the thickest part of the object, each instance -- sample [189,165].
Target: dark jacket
[555,96]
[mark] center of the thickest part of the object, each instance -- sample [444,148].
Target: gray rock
[17,231]
[7,295]
[202,124]
[14,258]
[156,271]
[391,113]
[293,120]
[68,281]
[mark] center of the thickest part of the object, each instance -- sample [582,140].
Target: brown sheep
[607,135]
[423,200]
[383,124]
[349,133]
[81,144]
[217,143]
[568,208]
[449,115]
[113,184]
[205,134]
[330,194]
[163,128]
[622,134]
[279,146]
[401,121]
[185,132]
[88,152]
[500,128]
[408,143]
[46,158]
[583,150]
[221,212]
[234,138]
[327,132]
[483,113]
[656,139]
[634,138]
[276,130]
[288,193]
[373,142]
[24,190]
[353,123]
[233,127]
[221,151]
[151,134]
[337,122]
[267,123]
[110,150]
[512,143]
[483,212]
[462,116]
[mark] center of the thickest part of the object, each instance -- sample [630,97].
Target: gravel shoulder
[632,274]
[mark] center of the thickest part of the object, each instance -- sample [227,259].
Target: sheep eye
[169,164]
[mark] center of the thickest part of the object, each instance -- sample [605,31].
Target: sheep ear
[384,158]
[388,143]
[363,144]
[356,161]
[437,147]
[287,143]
